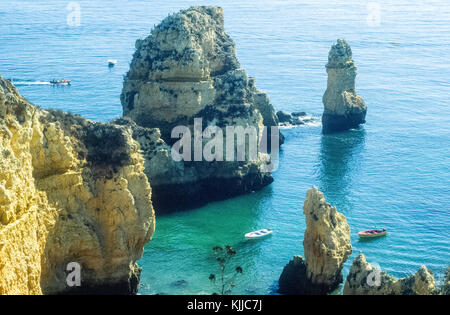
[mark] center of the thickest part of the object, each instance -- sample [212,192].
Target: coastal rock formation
[364,279]
[284,117]
[186,69]
[71,190]
[326,245]
[445,289]
[343,109]
[293,279]
[327,242]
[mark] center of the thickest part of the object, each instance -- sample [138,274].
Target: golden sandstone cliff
[327,241]
[326,245]
[186,69]
[71,190]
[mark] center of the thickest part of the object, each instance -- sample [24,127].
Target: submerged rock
[364,279]
[326,245]
[71,190]
[294,119]
[284,117]
[179,283]
[186,69]
[343,109]
[299,114]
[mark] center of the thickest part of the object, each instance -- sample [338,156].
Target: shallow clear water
[392,173]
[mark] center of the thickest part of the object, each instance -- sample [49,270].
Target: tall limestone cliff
[326,246]
[343,109]
[71,190]
[364,279]
[186,69]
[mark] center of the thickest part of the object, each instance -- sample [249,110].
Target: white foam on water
[22,83]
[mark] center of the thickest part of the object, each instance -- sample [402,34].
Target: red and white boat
[372,233]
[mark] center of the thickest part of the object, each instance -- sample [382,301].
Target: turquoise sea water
[393,173]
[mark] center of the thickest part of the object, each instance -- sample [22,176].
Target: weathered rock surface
[284,117]
[293,279]
[343,109]
[364,279]
[326,245]
[185,69]
[445,289]
[327,241]
[71,190]
[287,120]
[299,114]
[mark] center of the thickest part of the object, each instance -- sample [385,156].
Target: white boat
[112,62]
[59,82]
[258,234]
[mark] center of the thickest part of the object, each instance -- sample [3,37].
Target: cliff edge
[71,191]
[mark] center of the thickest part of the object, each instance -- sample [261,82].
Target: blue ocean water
[393,172]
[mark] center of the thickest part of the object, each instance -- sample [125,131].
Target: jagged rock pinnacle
[343,109]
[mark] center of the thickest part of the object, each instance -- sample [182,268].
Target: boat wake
[18,82]
[26,82]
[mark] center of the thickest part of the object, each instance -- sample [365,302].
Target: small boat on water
[112,62]
[372,233]
[258,234]
[60,82]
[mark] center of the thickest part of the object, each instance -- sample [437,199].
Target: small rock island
[343,109]
[326,245]
[186,69]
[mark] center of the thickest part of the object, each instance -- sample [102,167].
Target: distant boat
[372,233]
[60,82]
[112,62]
[258,234]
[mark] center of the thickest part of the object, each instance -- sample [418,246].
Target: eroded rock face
[186,65]
[327,241]
[293,279]
[71,190]
[326,246]
[364,279]
[445,289]
[284,117]
[186,69]
[343,109]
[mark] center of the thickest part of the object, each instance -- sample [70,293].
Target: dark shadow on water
[340,158]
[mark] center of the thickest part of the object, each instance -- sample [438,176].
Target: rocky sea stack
[364,279]
[186,69]
[343,109]
[326,245]
[71,191]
